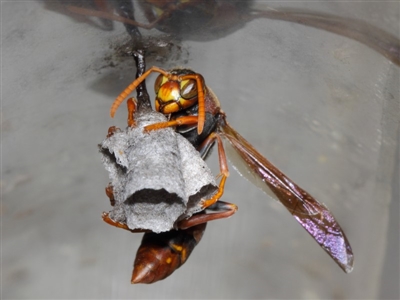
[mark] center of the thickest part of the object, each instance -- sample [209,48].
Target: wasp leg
[220,210]
[112,130]
[108,220]
[223,166]
[187,120]
[131,111]
[110,194]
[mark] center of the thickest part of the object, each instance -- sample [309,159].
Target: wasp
[195,112]
[159,255]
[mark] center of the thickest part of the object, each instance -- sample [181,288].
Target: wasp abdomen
[159,255]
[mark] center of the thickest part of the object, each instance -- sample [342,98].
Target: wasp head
[175,92]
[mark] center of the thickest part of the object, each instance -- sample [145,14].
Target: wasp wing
[313,216]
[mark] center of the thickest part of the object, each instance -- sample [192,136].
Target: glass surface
[320,100]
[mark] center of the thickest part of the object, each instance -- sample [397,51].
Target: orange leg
[208,202]
[112,130]
[187,120]
[220,210]
[223,166]
[131,111]
[111,222]
[132,87]
[110,194]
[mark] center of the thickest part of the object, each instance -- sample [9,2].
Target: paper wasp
[159,255]
[195,112]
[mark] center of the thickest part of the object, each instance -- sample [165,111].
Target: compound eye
[188,89]
[158,83]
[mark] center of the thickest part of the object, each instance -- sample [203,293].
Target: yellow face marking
[168,261]
[183,82]
[169,91]
[164,80]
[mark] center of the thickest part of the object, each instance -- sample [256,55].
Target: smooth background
[322,107]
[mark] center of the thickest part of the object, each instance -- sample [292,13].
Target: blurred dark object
[207,20]
[124,9]
[196,19]
[184,19]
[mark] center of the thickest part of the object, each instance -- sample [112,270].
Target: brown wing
[315,217]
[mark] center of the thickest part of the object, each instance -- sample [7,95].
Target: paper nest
[158,178]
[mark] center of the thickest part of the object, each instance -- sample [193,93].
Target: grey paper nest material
[158,178]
